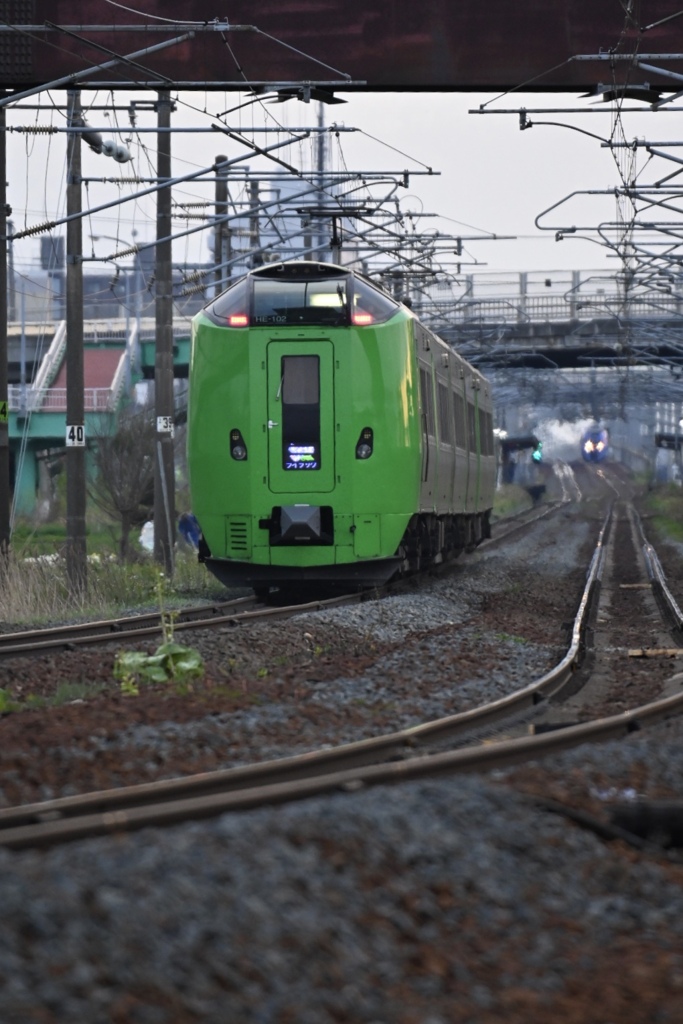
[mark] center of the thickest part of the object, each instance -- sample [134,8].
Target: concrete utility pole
[320,174]
[164,462]
[4,401]
[254,223]
[76,559]
[221,240]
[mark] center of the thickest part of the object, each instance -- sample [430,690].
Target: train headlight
[238,448]
[364,445]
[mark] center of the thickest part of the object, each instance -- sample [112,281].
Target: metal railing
[53,357]
[542,308]
[30,399]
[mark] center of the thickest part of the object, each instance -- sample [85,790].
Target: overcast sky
[492,177]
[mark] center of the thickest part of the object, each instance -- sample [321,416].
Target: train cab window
[371,306]
[300,388]
[231,308]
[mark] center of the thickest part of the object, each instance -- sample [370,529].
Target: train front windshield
[278,303]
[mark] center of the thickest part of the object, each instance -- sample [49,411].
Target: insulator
[194,275]
[191,206]
[132,251]
[117,150]
[193,291]
[47,226]
[189,216]
[34,129]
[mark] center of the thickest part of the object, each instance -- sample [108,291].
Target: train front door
[300,409]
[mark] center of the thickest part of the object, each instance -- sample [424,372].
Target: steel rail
[32,639]
[52,831]
[76,636]
[659,582]
[511,524]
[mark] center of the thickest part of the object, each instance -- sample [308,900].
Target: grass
[510,637]
[33,593]
[664,505]
[66,693]
[509,499]
[31,541]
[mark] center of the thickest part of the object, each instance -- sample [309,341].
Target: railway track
[633,632]
[387,759]
[239,611]
[134,628]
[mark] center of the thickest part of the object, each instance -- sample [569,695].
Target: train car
[595,444]
[332,438]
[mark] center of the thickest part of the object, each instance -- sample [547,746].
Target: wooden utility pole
[4,398]
[164,462]
[76,560]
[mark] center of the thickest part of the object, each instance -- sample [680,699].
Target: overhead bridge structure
[566,320]
[313,49]
[626,340]
[115,357]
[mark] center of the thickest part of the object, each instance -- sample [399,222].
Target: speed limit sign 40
[75,437]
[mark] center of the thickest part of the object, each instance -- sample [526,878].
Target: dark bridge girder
[387,44]
[570,344]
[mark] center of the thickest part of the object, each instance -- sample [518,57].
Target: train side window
[460,421]
[445,417]
[483,433]
[472,423]
[427,400]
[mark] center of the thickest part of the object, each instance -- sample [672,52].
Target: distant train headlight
[364,444]
[238,448]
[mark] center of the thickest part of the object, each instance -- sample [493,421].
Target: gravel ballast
[458,901]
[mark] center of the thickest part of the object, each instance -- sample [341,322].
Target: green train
[332,438]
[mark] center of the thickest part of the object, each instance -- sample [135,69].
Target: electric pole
[76,559]
[164,462]
[221,231]
[4,398]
